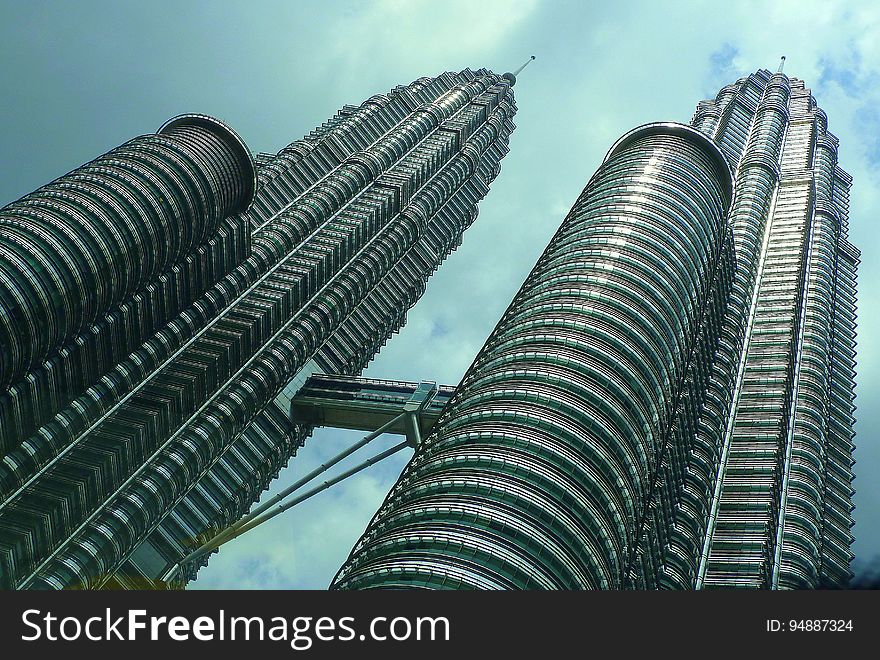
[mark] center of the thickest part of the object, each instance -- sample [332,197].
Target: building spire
[511,77]
[527,62]
[781,64]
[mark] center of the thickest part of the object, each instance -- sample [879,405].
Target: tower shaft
[174,439]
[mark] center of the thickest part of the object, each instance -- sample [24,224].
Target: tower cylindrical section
[77,247]
[539,472]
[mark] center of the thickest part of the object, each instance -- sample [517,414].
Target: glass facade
[181,286]
[668,400]
[780,515]
[538,472]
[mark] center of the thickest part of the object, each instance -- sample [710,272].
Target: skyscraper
[667,402]
[159,304]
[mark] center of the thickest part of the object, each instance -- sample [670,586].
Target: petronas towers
[666,403]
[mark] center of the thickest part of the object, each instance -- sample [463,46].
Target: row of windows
[28,404]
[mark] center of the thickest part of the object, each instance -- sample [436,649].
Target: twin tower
[666,403]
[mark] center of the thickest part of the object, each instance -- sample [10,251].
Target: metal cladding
[176,437]
[78,247]
[659,407]
[780,514]
[541,468]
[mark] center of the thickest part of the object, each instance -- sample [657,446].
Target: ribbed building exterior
[668,400]
[159,304]
[780,515]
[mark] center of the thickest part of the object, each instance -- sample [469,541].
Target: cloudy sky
[80,78]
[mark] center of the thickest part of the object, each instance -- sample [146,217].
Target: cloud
[421,37]
[722,61]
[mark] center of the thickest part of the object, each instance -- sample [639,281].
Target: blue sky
[81,78]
